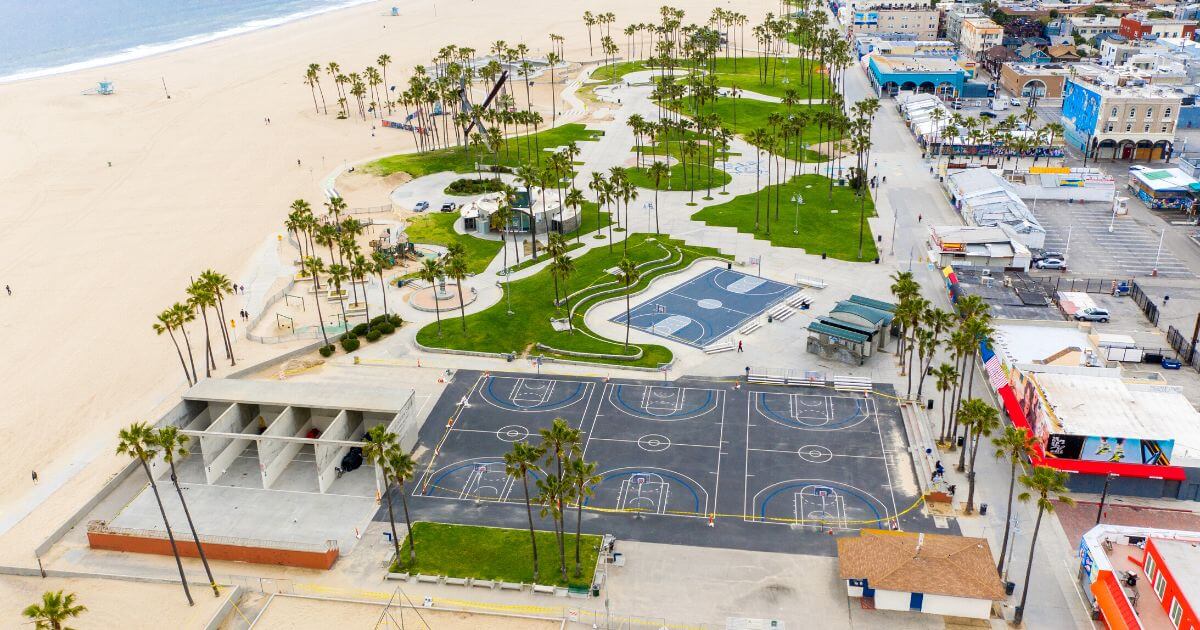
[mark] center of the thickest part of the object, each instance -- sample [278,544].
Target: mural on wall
[1110,449]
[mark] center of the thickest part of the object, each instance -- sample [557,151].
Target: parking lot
[1130,250]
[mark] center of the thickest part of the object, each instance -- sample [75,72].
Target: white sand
[111,603]
[92,252]
[297,612]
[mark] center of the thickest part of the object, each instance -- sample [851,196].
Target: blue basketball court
[707,307]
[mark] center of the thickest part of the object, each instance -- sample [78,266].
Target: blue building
[1106,119]
[933,75]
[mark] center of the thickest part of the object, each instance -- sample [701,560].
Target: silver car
[1051,263]
[1092,314]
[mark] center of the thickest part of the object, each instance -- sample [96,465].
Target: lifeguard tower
[103,88]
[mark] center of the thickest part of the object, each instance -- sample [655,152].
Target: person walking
[35,479]
[739,345]
[8,288]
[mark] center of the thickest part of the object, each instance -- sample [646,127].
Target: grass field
[494,330]
[437,228]
[515,152]
[683,177]
[820,230]
[491,553]
[743,115]
[784,73]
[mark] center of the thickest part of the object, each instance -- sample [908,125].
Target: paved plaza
[1129,250]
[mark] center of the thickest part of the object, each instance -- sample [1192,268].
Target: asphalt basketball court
[707,307]
[770,468]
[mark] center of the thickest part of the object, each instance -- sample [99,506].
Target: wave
[148,50]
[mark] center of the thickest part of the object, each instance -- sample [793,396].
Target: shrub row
[474,186]
[372,330]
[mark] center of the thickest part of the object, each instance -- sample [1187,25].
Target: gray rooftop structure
[317,395]
[1010,294]
[986,199]
[873,315]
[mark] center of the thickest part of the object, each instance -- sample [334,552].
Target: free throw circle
[654,443]
[815,453]
[710,304]
[512,433]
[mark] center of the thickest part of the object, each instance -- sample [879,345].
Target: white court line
[785,452]
[604,439]
[720,443]
[886,468]
[746,486]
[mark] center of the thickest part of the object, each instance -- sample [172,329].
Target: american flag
[995,371]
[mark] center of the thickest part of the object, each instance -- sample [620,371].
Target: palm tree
[560,442]
[166,322]
[519,462]
[984,420]
[56,608]
[657,172]
[137,441]
[628,275]
[947,377]
[200,297]
[338,274]
[583,477]
[401,465]
[377,448]
[529,175]
[315,266]
[430,270]
[384,60]
[380,261]
[553,492]
[1042,482]
[1016,444]
[561,268]
[574,200]
[218,284]
[174,444]
[455,266]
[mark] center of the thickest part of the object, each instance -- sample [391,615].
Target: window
[1166,113]
[1114,113]
[1147,129]
[1128,128]
[1109,128]
[1160,586]
[1149,113]
[1150,566]
[1176,612]
[1165,128]
[1132,113]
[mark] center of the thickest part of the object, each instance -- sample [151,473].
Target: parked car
[421,206]
[1171,364]
[1043,255]
[1051,263]
[1014,101]
[986,114]
[956,105]
[1092,314]
[449,206]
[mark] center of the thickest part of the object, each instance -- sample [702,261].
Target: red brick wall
[214,551]
[1132,28]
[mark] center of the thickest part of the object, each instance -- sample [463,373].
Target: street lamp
[797,199]
[1104,495]
[1157,255]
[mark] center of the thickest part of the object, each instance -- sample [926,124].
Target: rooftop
[1010,294]
[956,566]
[1106,406]
[1150,615]
[1164,179]
[987,199]
[315,394]
[1182,558]
[1041,343]
[912,63]
[1126,81]
[1039,69]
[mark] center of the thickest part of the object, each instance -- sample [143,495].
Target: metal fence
[1149,308]
[1182,345]
[1086,285]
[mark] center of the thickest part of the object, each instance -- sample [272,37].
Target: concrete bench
[751,327]
[397,576]
[456,581]
[490,584]
[767,378]
[852,383]
[798,300]
[719,347]
[429,579]
[540,588]
[779,310]
[811,282]
[511,586]
[783,315]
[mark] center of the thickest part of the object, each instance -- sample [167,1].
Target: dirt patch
[363,190]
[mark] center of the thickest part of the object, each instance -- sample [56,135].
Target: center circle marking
[512,433]
[709,303]
[815,453]
[654,443]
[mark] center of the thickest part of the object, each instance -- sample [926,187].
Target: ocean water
[43,37]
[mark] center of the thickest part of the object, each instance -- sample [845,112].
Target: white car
[1092,314]
[1014,101]
[1051,263]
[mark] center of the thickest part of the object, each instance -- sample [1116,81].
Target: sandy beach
[111,203]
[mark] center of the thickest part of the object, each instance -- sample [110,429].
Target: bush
[396,320]
[360,329]
[374,335]
[349,336]
[386,328]
[377,320]
[467,186]
[326,351]
[350,344]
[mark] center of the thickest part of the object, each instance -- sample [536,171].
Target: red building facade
[1172,566]
[1137,27]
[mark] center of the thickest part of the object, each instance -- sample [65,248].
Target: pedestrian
[739,345]
[35,480]
[919,217]
[8,288]
[298,164]
[884,179]
[747,372]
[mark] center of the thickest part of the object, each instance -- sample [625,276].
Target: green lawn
[492,553]
[437,228]
[820,230]
[515,152]
[784,73]
[743,115]
[494,330]
[694,177]
[619,69]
